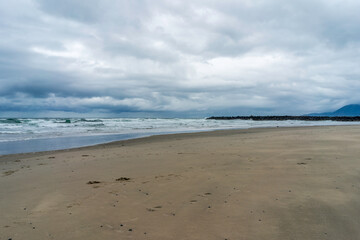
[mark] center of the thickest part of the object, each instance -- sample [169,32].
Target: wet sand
[272,183]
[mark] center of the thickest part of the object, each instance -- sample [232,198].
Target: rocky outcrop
[284,118]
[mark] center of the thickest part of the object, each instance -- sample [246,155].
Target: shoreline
[153,135]
[118,142]
[85,133]
[260,183]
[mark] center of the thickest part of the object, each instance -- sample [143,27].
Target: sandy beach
[271,183]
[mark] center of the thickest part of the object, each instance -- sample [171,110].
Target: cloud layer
[212,57]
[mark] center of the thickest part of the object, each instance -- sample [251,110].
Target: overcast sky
[178,58]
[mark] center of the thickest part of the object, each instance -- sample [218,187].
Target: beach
[265,183]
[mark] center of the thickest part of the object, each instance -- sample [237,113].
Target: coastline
[146,136]
[257,183]
[75,142]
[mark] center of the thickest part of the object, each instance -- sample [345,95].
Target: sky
[146,58]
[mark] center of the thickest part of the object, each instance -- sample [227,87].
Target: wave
[36,128]
[67,120]
[89,120]
[62,121]
[10,120]
[97,125]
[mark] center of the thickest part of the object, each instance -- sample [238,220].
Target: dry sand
[280,183]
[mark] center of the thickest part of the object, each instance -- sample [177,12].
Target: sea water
[20,135]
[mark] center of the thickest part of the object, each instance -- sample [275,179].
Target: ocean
[21,135]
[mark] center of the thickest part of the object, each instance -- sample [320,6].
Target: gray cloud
[163,57]
[83,11]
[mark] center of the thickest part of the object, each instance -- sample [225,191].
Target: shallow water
[47,144]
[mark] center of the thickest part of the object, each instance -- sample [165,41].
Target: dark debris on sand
[122,179]
[93,182]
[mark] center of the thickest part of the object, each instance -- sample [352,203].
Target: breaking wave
[13,129]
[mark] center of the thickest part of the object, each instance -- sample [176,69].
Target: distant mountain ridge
[350,110]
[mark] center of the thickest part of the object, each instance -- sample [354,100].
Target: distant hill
[348,110]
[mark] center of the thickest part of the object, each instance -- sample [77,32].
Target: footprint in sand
[48,202]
